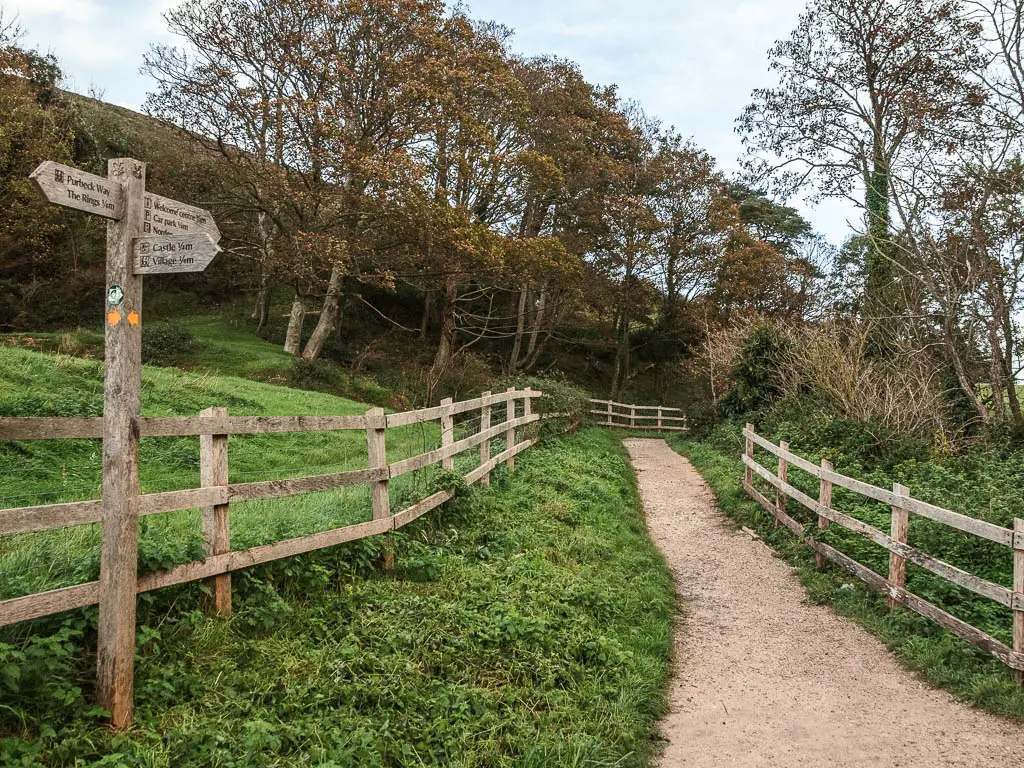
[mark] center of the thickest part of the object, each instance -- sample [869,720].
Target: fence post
[447,433]
[485,446]
[825,500]
[510,433]
[376,449]
[748,451]
[900,531]
[659,418]
[632,416]
[213,472]
[1018,588]
[609,413]
[783,475]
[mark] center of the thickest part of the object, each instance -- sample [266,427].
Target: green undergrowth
[528,624]
[988,489]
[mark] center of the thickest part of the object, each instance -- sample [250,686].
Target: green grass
[527,625]
[223,344]
[937,655]
[46,472]
[233,350]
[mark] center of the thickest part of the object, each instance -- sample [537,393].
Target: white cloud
[62,10]
[100,43]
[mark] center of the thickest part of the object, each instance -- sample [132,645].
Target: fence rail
[629,416]
[900,551]
[215,497]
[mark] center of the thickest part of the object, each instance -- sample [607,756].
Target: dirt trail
[765,679]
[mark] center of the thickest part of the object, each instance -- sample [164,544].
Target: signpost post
[146,234]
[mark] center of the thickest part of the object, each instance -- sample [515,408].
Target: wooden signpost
[171,254]
[72,188]
[146,234]
[163,216]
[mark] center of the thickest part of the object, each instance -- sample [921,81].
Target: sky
[692,63]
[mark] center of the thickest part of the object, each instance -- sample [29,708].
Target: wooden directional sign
[149,234]
[164,216]
[72,188]
[171,254]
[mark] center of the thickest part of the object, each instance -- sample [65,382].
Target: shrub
[571,403]
[832,361]
[167,344]
[315,374]
[757,380]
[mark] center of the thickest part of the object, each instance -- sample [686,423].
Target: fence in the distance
[900,552]
[628,418]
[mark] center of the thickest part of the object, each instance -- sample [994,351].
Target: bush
[757,380]
[571,403]
[701,419]
[167,344]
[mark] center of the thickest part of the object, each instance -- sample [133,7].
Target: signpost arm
[121,413]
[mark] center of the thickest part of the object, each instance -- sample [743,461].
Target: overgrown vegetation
[44,472]
[528,625]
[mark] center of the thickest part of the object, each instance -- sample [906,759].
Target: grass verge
[939,657]
[526,625]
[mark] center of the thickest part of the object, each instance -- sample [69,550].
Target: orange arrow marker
[114,317]
[133,318]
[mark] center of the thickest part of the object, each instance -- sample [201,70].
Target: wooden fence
[630,419]
[900,552]
[213,426]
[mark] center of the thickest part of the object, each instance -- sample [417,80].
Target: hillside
[524,625]
[43,472]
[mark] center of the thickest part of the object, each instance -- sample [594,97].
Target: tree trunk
[328,316]
[259,312]
[446,345]
[961,373]
[538,320]
[879,291]
[428,303]
[995,368]
[620,372]
[517,345]
[1002,312]
[559,311]
[293,336]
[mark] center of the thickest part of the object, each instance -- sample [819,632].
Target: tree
[49,257]
[567,128]
[863,82]
[626,244]
[312,105]
[474,156]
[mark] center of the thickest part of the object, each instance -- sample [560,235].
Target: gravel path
[765,679]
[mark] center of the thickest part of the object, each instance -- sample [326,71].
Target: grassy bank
[51,471]
[527,625]
[938,656]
